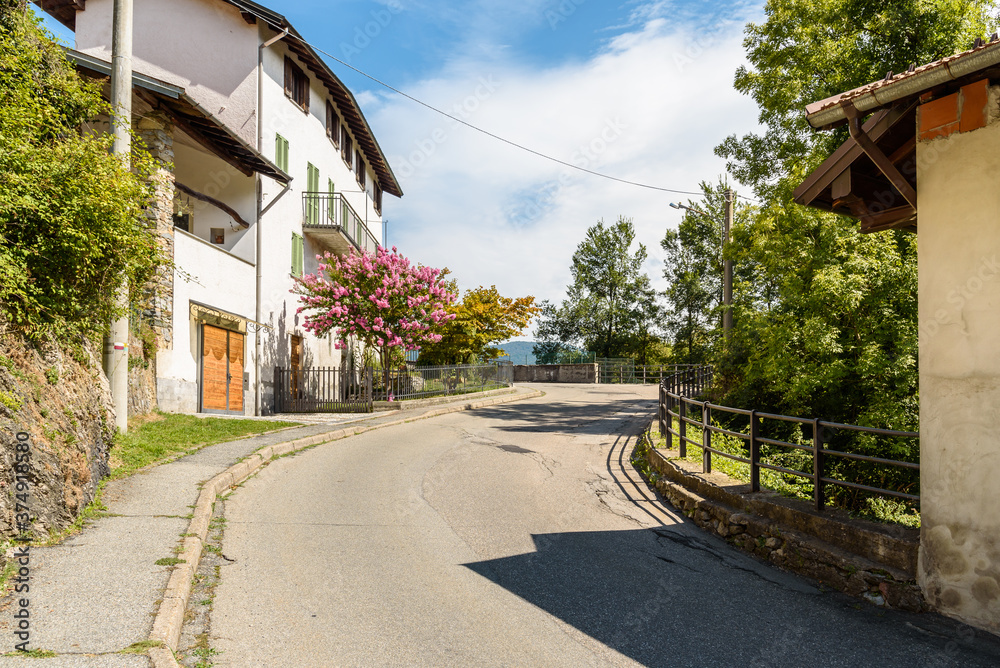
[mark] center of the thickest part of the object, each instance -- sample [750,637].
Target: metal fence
[322,390]
[429,381]
[626,371]
[676,404]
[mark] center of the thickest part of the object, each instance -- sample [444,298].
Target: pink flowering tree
[382,300]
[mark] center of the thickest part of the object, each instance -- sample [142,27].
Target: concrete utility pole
[121,121]
[727,270]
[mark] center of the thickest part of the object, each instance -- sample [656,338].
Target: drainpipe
[260,212]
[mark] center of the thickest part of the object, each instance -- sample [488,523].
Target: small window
[346,146]
[218,235]
[378,198]
[296,84]
[332,124]
[359,163]
[298,254]
[281,153]
[182,221]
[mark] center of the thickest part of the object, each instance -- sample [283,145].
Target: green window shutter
[298,254]
[331,211]
[281,153]
[312,201]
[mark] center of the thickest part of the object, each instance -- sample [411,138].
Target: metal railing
[322,390]
[675,402]
[326,211]
[619,373]
[429,381]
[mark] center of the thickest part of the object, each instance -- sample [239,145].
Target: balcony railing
[324,212]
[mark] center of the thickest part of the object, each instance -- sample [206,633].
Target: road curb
[169,618]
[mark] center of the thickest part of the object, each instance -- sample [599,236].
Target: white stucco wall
[308,143]
[211,176]
[959,287]
[204,46]
[211,276]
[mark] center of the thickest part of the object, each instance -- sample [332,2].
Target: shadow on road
[674,596]
[551,415]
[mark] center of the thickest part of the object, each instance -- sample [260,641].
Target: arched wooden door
[221,370]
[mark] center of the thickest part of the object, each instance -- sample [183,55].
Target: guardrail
[429,381]
[615,372]
[676,393]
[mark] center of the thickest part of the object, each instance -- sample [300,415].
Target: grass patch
[161,437]
[34,654]
[169,561]
[141,647]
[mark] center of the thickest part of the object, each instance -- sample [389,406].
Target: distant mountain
[519,351]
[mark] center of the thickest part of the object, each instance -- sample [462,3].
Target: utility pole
[727,270]
[116,359]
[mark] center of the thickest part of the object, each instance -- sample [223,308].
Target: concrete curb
[170,618]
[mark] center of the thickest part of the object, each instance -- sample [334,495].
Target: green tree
[483,317]
[610,307]
[825,318]
[72,216]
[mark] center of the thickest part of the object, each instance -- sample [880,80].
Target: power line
[479,129]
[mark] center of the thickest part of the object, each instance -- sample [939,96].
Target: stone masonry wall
[157,132]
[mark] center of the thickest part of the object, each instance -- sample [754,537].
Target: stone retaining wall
[856,557]
[555,373]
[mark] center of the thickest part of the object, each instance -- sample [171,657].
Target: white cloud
[649,107]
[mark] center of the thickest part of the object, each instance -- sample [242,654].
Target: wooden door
[221,370]
[296,366]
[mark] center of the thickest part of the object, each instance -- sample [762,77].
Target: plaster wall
[204,46]
[959,315]
[308,144]
[210,276]
[212,176]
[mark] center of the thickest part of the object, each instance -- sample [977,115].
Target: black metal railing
[322,390]
[676,402]
[429,381]
[333,211]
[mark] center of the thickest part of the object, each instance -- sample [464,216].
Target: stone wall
[61,399]
[157,133]
[860,558]
[555,373]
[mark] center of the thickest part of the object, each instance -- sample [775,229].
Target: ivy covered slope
[72,227]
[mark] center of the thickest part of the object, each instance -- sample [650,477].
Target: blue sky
[639,89]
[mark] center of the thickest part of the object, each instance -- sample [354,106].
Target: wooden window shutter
[332,124]
[360,162]
[289,78]
[378,198]
[330,208]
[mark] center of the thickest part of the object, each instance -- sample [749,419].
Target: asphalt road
[517,535]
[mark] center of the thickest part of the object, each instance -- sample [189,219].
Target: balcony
[332,221]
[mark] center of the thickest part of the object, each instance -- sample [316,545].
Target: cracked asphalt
[518,535]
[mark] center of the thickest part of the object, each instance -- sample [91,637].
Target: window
[332,124]
[217,235]
[312,196]
[378,198]
[346,147]
[281,153]
[360,164]
[296,84]
[298,254]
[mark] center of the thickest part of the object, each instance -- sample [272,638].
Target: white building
[252,120]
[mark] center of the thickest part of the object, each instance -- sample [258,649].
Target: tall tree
[483,317]
[826,325]
[610,301]
[72,216]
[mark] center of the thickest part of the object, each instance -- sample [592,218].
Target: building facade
[267,162]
